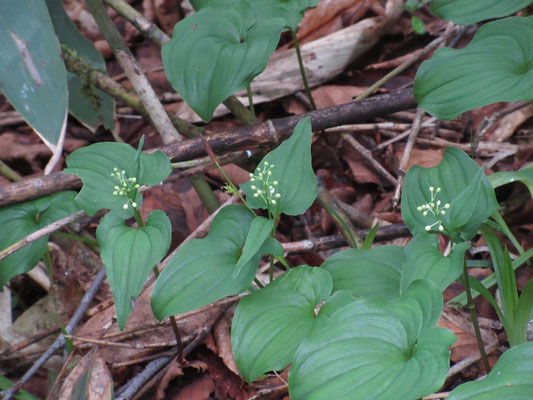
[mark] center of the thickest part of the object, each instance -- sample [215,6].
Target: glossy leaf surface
[33,74]
[510,379]
[376,349]
[94,164]
[260,229]
[270,324]
[496,66]
[463,186]
[202,270]
[292,170]
[130,254]
[524,175]
[469,12]
[22,219]
[216,52]
[367,273]
[86,102]
[423,260]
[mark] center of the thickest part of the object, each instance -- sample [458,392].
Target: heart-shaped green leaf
[22,219]
[202,270]
[510,379]
[86,102]
[290,11]
[287,172]
[469,12]
[457,181]
[269,325]
[33,74]
[497,65]
[367,273]
[95,165]
[384,349]
[259,231]
[524,175]
[130,254]
[216,52]
[423,260]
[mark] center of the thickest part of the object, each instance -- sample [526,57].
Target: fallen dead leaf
[199,389]
[508,124]
[222,336]
[90,379]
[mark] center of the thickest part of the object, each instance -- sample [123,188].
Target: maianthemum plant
[363,324]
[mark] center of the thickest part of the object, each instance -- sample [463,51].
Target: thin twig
[468,361]
[417,123]
[367,155]
[48,229]
[60,341]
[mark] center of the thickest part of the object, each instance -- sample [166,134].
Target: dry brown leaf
[167,14]
[423,157]
[228,385]
[508,124]
[173,370]
[99,385]
[222,336]
[199,389]
[324,12]
[466,344]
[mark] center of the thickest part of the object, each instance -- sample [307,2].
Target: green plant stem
[173,322]
[250,98]
[92,242]
[205,193]
[302,70]
[9,173]
[271,270]
[473,315]
[258,283]
[175,328]
[240,110]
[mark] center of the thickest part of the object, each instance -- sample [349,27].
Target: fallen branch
[267,134]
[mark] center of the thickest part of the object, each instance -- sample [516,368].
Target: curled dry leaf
[90,379]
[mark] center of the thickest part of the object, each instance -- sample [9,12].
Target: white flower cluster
[127,185]
[434,207]
[262,186]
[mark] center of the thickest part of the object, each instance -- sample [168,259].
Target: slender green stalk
[258,283]
[8,172]
[202,188]
[173,322]
[250,99]
[302,70]
[473,315]
[283,262]
[92,242]
[175,328]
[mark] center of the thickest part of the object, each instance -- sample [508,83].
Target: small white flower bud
[115,193]
[137,186]
[134,205]
[419,208]
[252,179]
[116,188]
[438,189]
[266,163]
[438,203]
[121,193]
[253,187]
[271,165]
[441,228]
[134,179]
[256,195]
[275,183]
[443,212]
[428,227]
[123,172]
[447,205]
[425,213]
[272,191]
[115,169]
[273,201]
[431,188]
[251,175]
[269,173]
[125,206]
[277,195]
[259,191]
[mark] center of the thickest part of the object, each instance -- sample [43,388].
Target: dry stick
[417,123]
[466,362]
[133,386]
[266,134]
[99,342]
[430,122]
[406,64]
[28,342]
[60,341]
[48,229]
[367,155]
[152,31]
